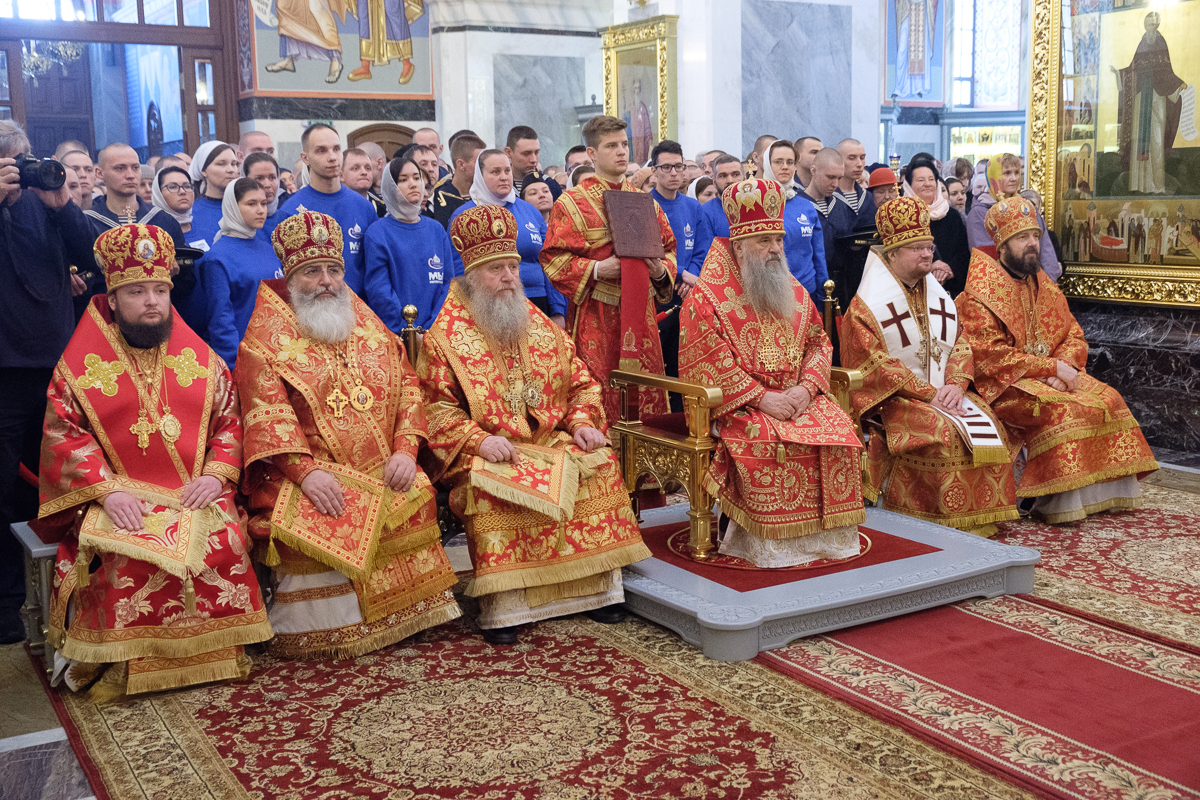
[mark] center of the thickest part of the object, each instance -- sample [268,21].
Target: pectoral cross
[944,314]
[142,430]
[898,320]
[337,401]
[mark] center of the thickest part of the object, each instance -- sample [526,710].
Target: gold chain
[152,395]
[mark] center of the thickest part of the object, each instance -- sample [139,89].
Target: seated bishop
[786,471]
[333,418]
[941,455]
[515,423]
[141,453]
[1082,450]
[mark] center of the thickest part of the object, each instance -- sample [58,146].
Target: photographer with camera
[41,232]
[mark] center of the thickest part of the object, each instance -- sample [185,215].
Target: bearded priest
[1083,450]
[343,515]
[786,471]
[515,423]
[141,453]
[940,455]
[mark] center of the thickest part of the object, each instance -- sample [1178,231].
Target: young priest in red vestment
[611,300]
[141,454]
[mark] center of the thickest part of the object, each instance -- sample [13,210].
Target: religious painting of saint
[915,52]
[309,48]
[639,80]
[637,100]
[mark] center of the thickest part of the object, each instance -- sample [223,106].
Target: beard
[503,318]
[144,336]
[327,319]
[1021,265]
[768,285]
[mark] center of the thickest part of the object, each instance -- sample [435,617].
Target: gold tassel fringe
[536,596]
[583,567]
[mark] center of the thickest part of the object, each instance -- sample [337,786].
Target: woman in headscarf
[952,255]
[213,168]
[493,186]
[408,256]
[540,191]
[172,192]
[803,239]
[264,169]
[702,189]
[231,270]
[1004,180]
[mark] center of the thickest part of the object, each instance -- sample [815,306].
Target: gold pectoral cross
[523,395]
[142,430]
[337,401]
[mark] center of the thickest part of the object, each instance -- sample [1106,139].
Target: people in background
[263,168]
[953,254]
[454,190]
[214,167]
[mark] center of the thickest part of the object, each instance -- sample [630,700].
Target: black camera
[40,173]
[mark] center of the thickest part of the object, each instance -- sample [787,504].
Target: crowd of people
[280,420]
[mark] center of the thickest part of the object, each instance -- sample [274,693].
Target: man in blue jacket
[726,169]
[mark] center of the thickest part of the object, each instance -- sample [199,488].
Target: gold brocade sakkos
[776,479]
[540,395]
[1073,439]
[307,407]
[178,599]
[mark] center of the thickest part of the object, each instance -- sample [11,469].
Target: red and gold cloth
[578,236]
[135,253]
[394,557]
[753,207]
[484,233]
[921,463]
[776,479]
[183,588]
[305,237]
[540,395]
[1018,331]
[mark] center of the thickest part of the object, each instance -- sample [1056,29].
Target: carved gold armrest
[698,399]
[841,383]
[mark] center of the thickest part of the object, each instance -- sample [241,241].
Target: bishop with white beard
[786,468]
[333,417]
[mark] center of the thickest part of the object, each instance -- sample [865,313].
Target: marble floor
[37,763]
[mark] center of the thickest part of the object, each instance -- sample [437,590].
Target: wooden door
[385,134]
[58,105]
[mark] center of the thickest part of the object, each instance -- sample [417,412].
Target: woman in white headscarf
[408,256]
[263,168]
[173,193]
[493,186]
[213,168]
[803,238]
[231,270]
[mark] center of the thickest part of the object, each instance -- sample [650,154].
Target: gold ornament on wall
[639,80]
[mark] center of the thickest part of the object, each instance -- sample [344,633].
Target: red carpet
[1058,704]
[884,548]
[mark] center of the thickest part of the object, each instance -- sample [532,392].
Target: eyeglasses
[178,188]
[671,167]
[923,249]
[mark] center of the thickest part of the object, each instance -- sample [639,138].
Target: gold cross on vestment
[523,395]
[337,401]
[142,430]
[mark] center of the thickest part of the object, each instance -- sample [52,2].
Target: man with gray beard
[333,419]
[515,423]
[786,469]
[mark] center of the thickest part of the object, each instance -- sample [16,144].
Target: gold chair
[677,448]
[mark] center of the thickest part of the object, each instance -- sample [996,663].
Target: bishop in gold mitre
[786,470]
[515,423]
[341,511]
[141,454]
[1082,451]
[936,450]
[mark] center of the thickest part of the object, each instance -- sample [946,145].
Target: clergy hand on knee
[1068,375]
[950,399]
[800,396]
[326,495]
[201,492]
[778,405]
[399,472]
[589,439]
[497,448]
[125,510]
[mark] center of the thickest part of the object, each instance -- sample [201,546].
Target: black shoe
[12,629]
[608,615]
[500,635]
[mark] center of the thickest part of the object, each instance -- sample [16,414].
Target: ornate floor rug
[1060,705]
[1137,571]
[577,711]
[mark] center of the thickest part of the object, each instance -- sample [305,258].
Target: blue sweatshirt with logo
[407,263]
[230,273]
[684,215]
[352,211]
[804,246]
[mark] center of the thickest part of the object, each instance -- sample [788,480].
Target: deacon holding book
[786,470]
[141,453]
[612,260]
[515,423]
[940,454]
[333,420]
[1083,449]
